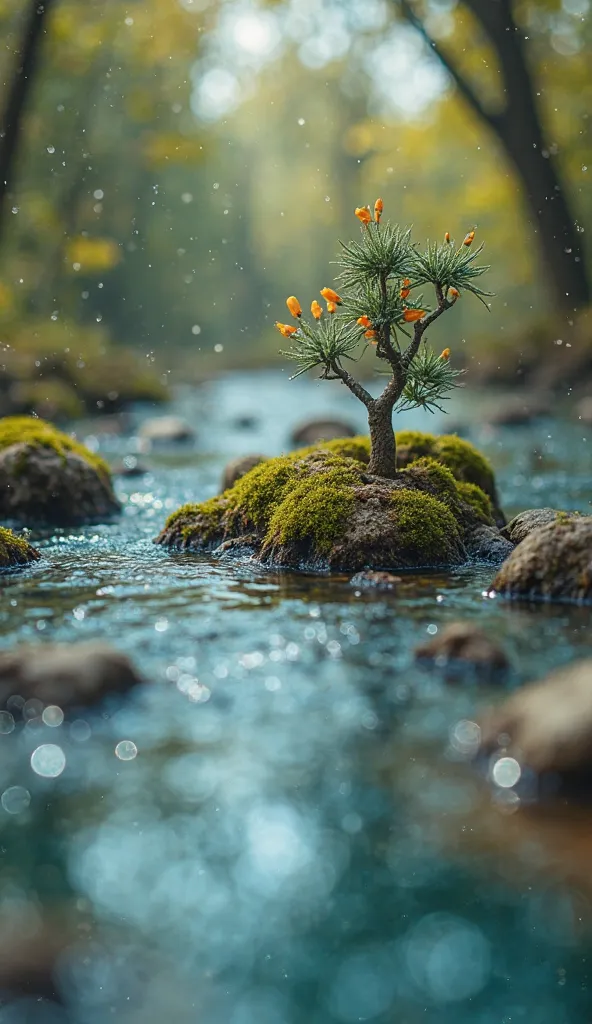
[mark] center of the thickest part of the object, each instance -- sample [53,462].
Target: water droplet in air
[126,750]
[196,329]
[15,799]
[48,760]
[53,716]
[51,149]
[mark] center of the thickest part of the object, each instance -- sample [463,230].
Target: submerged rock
[461,645]
[525,522]
[548,725]
[15,550]
[319,507]
[519,410]
[237,468]
[584,410]
[47,477]
[314,431]
[372,579]
[553,562]
[166,430]
[486,544]
[66,675]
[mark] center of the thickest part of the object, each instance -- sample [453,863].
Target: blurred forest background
[172,169]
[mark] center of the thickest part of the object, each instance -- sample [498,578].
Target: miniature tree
[374,307]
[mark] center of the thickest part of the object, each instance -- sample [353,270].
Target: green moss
[50,397]
[433,477]
[315,510]
[259,492]
[357,448]
[479,501]
[425,526]
[465,461]
[36,433]
[14,550]
[420,443]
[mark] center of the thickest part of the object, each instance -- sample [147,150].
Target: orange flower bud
[469,238]
[294,306]
[331,296]
[378,208]
[316,309]
[364,321]
[371,335]
[286,330]
[405,289]
[363,214]
[454,294]
[447,236]
[409,315]
[331,307]
[445,354]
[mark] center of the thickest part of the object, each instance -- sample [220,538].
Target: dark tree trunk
[383,448]
[24,74]
[520,131]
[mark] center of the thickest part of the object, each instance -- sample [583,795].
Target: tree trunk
[20,88]
[520,130]
[383,448]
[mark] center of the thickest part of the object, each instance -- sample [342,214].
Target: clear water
[294,841]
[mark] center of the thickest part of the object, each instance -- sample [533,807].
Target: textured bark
[383,457]
[20,88]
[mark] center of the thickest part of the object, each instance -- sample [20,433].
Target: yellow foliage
[92,255]
[172,148]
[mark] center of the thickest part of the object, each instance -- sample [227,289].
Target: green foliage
[325,344]
[425,526]
[316,510]
[384,251]
[37,433]
[14,550]
[428,379]
[443,265]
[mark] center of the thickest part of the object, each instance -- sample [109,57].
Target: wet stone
[462,646]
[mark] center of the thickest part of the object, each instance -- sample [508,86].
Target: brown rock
[518,410]
[462,645]
[488,544]
[43,485]
[548,725]
[63,674]
[375,580]
[554,562]
[166,430]
[525,522]
[321,430]
[236,468]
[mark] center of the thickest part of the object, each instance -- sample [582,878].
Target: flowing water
[279,826]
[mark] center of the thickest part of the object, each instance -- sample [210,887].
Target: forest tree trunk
[20,87]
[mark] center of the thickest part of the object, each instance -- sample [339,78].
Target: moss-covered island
[15,550]
[46,477]
[382,501]
[321,508]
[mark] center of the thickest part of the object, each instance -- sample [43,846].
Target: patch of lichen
[14,550]
[36,433]
[357,448]
[426,527]
[479,501]
[315,511]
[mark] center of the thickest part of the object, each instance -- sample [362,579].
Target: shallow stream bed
[278,828]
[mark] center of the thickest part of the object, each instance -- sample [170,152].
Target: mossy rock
[49,397]
[554,562]
[15,550]
[465,462]
[320,508]
[47,477]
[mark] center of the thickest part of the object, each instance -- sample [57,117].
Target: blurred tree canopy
[174,154]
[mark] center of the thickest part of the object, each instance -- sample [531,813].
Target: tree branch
[462,84]
[421,326]
[354,386]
